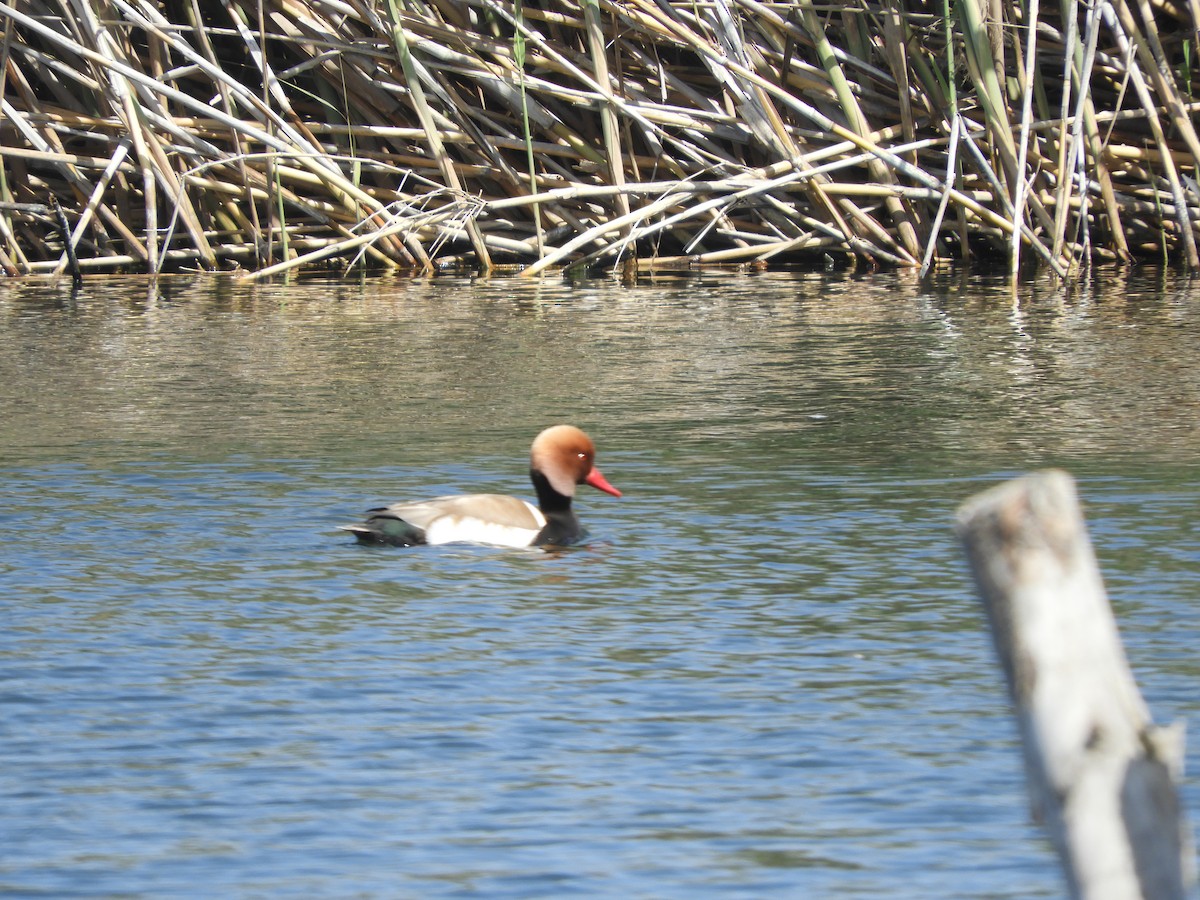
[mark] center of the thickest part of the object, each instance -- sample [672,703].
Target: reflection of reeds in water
[413,133]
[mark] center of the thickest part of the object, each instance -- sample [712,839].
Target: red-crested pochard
[561,457]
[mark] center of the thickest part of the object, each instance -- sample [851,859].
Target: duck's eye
[581,455]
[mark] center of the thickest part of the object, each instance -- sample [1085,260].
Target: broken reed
[415,134]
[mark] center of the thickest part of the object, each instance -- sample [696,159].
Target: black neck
[562,528]
[549,500]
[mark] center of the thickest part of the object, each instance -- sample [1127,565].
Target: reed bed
[270,135]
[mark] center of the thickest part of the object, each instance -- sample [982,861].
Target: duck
[561,458]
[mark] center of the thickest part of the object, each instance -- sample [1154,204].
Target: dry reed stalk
[413,134]
[1120,28]
[610,127]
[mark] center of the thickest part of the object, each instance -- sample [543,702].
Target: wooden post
[1102,778]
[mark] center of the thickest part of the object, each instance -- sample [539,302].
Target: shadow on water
[766,675]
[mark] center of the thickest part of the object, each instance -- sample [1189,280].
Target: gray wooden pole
[1102,778]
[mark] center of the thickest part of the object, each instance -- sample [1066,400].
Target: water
[766,675]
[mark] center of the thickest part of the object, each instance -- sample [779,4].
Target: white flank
[451,528]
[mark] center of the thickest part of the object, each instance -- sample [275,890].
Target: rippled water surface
[766,675]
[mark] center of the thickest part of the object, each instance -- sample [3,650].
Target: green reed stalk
[526,131]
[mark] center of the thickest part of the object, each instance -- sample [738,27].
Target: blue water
[766,675]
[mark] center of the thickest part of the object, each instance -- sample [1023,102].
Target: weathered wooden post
[1102,778]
